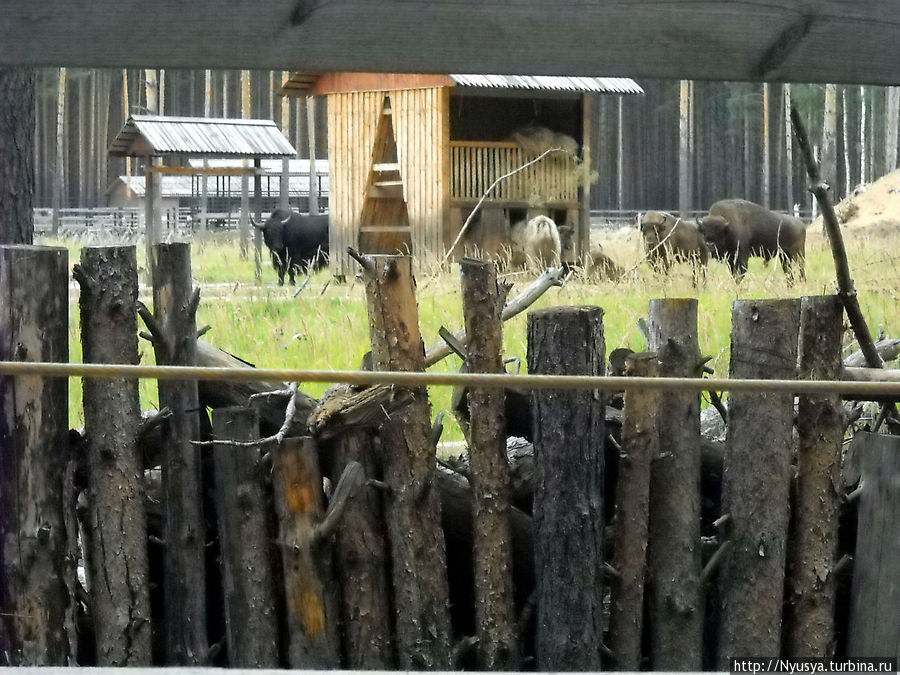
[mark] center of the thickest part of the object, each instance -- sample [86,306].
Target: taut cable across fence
[849,386]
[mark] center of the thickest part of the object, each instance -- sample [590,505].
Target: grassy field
[325,326]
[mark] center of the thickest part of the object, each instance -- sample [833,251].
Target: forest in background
[682,145]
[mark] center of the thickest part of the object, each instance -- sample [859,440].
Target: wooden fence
[627,539]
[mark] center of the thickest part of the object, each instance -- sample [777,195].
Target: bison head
[274,229]
[721,237]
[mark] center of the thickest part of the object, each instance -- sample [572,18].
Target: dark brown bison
[668,239]
[736,229]
[297,242]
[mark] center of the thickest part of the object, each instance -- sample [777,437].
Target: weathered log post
[809,618]
[251,624]
[418,551]
[173,333]
[34,418]
[495,625]
[361,560]
[117,557]
[568,502]
[674,560]
[640,446]
[756,479]
[311,603]
[875,601]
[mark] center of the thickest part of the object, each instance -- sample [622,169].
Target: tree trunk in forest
[863,136]
[675,600]
[174,335]
[809,615]
[766,148]
[225,98]
[17,124]
[891,114]
[845,144]
[569,452]
[620,159]
[412,508]
[828,162]
[34,446]
[59,185]
[81,140]
[126,113]
[161,97]
[151,91]
[117,557]
[495,623]
[684,148]
[756,480]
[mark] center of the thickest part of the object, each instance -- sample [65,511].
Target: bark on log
[640,446]
[361,560]
[34,319]
[888,349]
[413,508]
[117,556]
[809,617]
[173,330]
[215,394]
[875,603]
[674,560]
[310,593]
[757,475]
[568,443]
[494,607]
[251,625]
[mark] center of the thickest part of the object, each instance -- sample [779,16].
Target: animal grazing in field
[535,242]
[601,266]
[668,239]
[297,242]
[736,229]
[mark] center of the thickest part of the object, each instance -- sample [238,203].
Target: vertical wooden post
[313,174]
[257,204]
[809,619]
[244,222]
[640,446]
[583,236]
[284,192]
[495,625]
[361,563]
[204,189]
[674,563]
[251,626]
[152,209]
[756,479]
[875,601]
[117,557]
[568,442]
[174,335]
[413,506]
[311,603]
[34,412]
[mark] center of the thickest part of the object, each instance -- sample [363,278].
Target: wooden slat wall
[422,136]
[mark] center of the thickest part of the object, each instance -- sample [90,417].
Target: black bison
[668,239]
[297,242]
[736,229]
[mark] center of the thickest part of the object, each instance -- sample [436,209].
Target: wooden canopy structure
[152,137]
[793,40]
[411,156]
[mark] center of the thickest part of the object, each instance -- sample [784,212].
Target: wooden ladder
[384,223]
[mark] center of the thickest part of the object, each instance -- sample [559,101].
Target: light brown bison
[736,229]
[668,239]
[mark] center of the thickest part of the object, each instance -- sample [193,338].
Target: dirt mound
[875,205]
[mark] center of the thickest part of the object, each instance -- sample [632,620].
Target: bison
[296,242]
[535,242]
[668,239]
[736,229]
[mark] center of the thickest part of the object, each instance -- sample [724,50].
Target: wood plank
[385,166]
[812,41]
[341,82]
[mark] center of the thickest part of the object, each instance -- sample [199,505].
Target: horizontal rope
[363,377]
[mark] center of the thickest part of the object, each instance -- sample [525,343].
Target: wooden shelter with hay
[411,156]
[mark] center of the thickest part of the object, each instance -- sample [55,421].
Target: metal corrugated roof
[158,135]
[607,85]
[185,186]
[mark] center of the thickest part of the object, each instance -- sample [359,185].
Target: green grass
[325,326]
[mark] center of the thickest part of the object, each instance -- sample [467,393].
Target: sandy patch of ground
[875,207]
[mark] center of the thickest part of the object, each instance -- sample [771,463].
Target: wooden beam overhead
[847,41]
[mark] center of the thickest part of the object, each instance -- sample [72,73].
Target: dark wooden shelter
[411,155]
